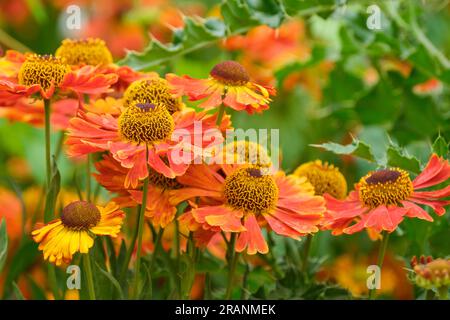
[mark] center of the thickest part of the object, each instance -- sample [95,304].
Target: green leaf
[3,244]
[113,280]
[146,290]
[17,293]
[239,16]
[24,257]
[52,193]
[397,158]
[356,148]
[440,146]
[195,34]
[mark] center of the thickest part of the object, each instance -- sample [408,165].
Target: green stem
[305,256]
[139,235]
[89,277]
[157,244]
[220,114]
[48,163]
[51,273]
[380,260]
[126,263]
[232,262]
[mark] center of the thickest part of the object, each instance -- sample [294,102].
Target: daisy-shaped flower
[229,84]
[243,198]
[94,52]
[158,209]
[383,198]
[44,74]
[139,127]
[74,232]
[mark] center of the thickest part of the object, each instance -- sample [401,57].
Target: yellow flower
[85,52]
[75,231]
[325,178]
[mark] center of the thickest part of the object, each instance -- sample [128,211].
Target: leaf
[3,244]
[18,294]
[239,16]
[113,280]
[395,157]
[195,34]
[356,148]
[24,257]
[440,146]
[146,291]
[52,193]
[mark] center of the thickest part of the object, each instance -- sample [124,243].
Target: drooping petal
[252,239]
[436,171]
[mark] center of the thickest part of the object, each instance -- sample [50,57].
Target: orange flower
[158,209]
[137,127]
[382,199]
[429,87]
[229,83]
[245,198]
[32,112]
[45,73]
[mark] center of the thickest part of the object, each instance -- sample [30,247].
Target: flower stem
[220,114]
[305,256]
[140,232]
[381,253]
[47,143]
[89,277]
[232,262]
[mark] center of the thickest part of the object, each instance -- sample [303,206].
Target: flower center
[80,215]
[385,187]
[251,190]
[152,91]
[43,70]
[324,177]
[230,73]
[162,181]
[249,152]
[85,51]
[144,122]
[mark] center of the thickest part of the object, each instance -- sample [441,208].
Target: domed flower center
[152,91]
[246,152]
[144,122]
[85,51]
[43,70]
[385,187]
[230,73]
[251,190]
[80,215]
[324,177]
[160,180]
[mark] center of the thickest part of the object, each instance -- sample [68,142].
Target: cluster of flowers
[130,118]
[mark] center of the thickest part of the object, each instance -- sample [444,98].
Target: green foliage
[356,148]
[3,244]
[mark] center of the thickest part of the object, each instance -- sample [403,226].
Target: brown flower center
[80,215]
[385,187]
[230,73]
